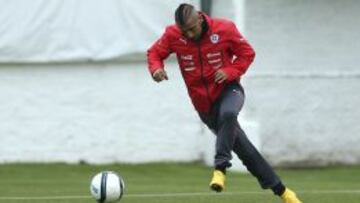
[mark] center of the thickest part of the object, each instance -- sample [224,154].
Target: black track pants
[222,121]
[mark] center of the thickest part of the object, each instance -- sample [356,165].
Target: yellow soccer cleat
[217,183]
[289,196]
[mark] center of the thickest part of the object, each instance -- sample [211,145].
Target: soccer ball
[107,186]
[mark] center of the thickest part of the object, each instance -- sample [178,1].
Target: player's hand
[220,76]
[160,75]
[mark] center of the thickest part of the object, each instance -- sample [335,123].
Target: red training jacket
[222,47]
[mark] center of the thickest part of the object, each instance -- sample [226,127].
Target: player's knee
[228,116]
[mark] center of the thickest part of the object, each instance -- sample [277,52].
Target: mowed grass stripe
[170,183]
[182,194]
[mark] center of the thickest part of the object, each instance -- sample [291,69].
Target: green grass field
[170,183]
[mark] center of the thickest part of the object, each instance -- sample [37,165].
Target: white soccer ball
[107,186]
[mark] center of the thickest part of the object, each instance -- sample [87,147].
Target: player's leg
[253,160]
[228,108]
[218,181]
[230,104]
[230,137]
[257,165]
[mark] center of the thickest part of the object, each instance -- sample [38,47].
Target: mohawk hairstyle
[182,13]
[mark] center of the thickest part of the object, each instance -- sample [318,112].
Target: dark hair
[182,13]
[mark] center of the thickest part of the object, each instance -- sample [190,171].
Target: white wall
[98,112]
[303,87]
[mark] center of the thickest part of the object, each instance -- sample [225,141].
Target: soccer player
[213,56]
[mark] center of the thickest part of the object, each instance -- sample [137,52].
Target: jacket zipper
[202,75]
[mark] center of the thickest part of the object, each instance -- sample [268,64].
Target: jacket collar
[208,21]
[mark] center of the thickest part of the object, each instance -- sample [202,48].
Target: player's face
[192,28]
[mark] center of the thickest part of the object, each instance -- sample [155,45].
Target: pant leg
[230,137]
[229,106]
[209,119]
[254,161]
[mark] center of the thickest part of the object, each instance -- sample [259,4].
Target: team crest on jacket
[214,38]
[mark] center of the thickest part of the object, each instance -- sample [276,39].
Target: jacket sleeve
[243,52]
[158,52]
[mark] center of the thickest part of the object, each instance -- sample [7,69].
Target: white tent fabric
[65,30]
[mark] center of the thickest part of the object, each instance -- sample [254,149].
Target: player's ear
[200,18]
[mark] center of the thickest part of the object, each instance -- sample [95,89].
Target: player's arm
[156,55]
[244,56]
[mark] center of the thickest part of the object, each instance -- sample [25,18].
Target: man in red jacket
[213,56]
